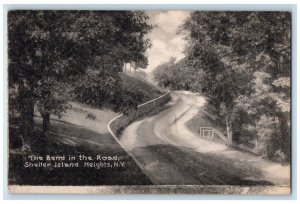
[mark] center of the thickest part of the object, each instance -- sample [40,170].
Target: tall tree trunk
[130,68]
[46,132]
[285,134]
[46,122]
[27,123]
[229,130]
[46,117]
[26,114]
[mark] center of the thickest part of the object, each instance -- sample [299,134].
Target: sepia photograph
[149,102]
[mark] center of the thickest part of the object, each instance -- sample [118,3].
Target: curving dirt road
[169,153]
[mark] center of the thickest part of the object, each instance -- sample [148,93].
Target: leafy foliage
[177,75]
[244,61]
[56,56]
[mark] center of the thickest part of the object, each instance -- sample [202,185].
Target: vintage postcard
[155,101]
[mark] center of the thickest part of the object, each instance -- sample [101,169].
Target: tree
[50,50]
[178,75]
[126,43]
[40,57]
[242,54]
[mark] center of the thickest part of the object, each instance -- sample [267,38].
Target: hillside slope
[129,82]
[75,133]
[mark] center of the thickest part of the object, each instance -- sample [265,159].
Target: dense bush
[126,95]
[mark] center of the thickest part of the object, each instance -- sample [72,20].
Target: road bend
[169,153]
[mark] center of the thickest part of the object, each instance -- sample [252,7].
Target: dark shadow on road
[205,169]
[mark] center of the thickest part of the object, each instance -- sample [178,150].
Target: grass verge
[68,139]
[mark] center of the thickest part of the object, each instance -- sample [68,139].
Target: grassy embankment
[207,117]
[131,83]
[75,134]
